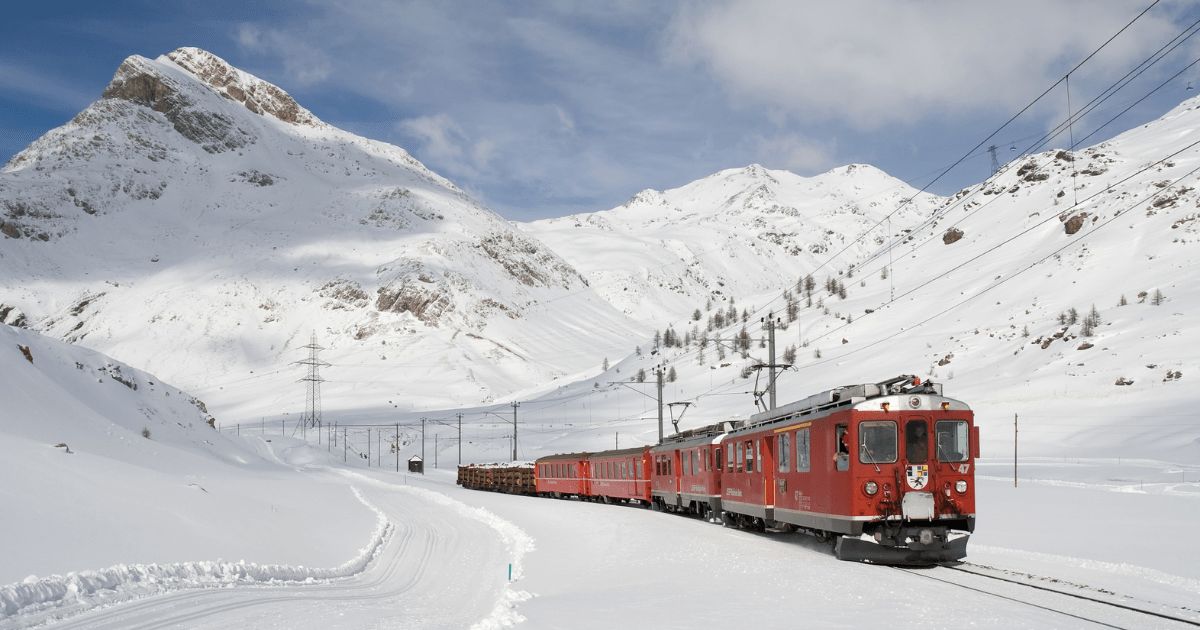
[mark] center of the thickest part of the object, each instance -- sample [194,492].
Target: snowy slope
[970,294]
[198,222]
[737,233]
[85,488]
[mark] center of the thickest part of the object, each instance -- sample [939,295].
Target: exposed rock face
[139,82]
[257,95]
[952,236]
[208,204]
[426,303]
[1075,223]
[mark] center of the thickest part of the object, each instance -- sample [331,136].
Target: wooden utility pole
[460,439]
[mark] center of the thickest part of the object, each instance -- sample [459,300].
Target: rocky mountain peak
[257,95]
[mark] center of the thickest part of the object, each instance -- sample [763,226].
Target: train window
[916,441]
[952,441]
[708,459]
[692,463]
[841,457]
[758,451]
[802,451]
[784,448]
[741,449]
[877,442]
[730,463]
[749,455]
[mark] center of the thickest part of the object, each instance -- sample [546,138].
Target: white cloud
[871,63]
[796,153]
[444,143]
[564,119]
[303,63]
[442,137]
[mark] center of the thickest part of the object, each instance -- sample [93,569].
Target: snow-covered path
[442,566]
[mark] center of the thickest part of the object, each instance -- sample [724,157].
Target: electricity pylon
[312,402]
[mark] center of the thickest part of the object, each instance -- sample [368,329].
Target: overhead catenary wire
[1186,34]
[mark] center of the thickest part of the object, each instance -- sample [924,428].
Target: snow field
[91,589]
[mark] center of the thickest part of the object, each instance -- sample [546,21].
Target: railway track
[945,571]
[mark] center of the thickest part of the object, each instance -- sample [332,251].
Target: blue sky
[547,108]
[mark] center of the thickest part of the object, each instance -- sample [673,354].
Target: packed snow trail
[443,566]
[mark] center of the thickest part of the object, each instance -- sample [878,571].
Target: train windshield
[952,445]
[877,442]
[916,441]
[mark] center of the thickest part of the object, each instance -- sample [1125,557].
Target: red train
[884,469]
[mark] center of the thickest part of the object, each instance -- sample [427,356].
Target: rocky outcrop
[139,82]
[257,95]
[424,299]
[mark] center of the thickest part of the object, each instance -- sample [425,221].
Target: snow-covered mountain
[197,222]
[977,289]
[739,232]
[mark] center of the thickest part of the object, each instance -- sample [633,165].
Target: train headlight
[871,488]
[960,486]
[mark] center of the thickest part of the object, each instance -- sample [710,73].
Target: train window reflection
[784,449]
[952,443]
[802,451]
[877,442]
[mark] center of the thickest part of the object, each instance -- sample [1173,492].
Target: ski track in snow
[422,565]
[1115,568]
[518,542]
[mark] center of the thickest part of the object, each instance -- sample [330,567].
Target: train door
[767,470]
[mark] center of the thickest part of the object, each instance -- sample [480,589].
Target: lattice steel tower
[312,402]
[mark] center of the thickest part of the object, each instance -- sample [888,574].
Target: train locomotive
[883,470]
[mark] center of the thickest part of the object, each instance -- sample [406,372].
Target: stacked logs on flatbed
[508,478]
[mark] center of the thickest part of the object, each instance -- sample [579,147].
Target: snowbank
[124,582]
